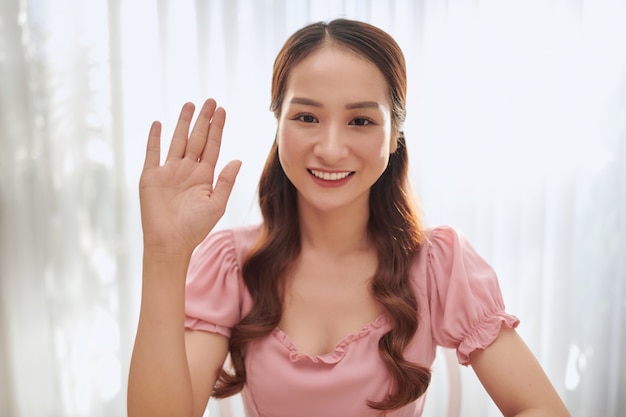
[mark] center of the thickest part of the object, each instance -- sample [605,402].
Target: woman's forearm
[159,383]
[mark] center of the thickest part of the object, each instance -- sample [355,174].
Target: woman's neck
[335,233]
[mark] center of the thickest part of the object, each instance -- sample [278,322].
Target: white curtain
[517,134]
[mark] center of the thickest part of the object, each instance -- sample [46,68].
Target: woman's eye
[306,118]
[361,121]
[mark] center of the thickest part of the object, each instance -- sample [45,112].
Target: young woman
[335,304]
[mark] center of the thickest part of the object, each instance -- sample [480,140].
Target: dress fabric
[460,307]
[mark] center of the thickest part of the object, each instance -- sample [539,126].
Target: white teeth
[330,176]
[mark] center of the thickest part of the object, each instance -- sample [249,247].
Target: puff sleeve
[214,292]
[466,305]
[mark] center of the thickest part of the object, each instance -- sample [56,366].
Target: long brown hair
[393,225]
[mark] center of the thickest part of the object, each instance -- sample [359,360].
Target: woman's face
[334,130]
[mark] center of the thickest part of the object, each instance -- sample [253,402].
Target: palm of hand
[179,204]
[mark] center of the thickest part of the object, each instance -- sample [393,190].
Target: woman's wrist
[167,252]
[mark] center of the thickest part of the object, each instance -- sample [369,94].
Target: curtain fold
[63,210]
[517,136]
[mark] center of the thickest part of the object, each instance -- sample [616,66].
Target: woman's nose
[331,145]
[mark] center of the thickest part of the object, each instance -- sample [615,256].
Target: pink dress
[460,304]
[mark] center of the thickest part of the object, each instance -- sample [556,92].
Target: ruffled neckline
[340,348]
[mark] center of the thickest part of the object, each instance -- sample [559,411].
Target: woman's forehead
[333,70]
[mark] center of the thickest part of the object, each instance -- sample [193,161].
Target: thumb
[226,180]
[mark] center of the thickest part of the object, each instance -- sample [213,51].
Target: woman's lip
[331,183]
[330,175]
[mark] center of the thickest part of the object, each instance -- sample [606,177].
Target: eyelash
[301,118]
[364,120]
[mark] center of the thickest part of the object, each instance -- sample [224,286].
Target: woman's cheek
[287,147]
[290,139]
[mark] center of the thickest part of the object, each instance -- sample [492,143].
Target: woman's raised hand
[179,203]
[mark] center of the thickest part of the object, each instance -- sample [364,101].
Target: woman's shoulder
[441,231]
[237,235]
[237,240]
[441,238]
[215,295]
[445,249]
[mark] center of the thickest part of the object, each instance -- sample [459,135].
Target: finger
[214,140]
[198,137]
[181,133]
[153,148]
[226,181]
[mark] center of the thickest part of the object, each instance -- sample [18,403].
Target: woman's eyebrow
[349,106]
[306,101]
[362,105]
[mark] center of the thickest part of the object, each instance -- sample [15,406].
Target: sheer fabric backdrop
[517,134]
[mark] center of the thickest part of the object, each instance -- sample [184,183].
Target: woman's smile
[330,176]
[330,179]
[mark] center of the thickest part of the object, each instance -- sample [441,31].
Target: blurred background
[517,136]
